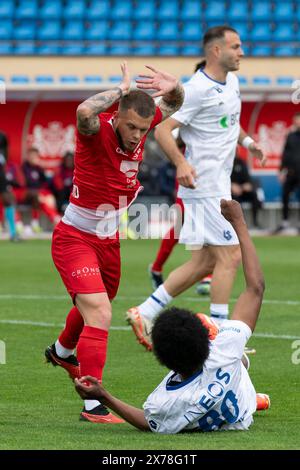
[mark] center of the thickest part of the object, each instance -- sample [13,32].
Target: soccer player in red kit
[85,247]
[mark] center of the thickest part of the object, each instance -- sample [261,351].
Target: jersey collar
[170,387]
[207,76]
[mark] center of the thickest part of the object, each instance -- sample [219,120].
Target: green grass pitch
[38,406]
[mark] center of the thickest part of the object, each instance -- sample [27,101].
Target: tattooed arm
[166,86]
[87,112]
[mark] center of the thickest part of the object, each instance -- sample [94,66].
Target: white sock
[155,303]
[61,351]
[219,312]
[91,404]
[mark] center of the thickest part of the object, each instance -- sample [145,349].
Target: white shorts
[205,225]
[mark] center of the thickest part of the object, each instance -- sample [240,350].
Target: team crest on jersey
[227,235]
[218,89]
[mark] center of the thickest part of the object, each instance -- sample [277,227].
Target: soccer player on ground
[209,122]
[208,388]
[85,249]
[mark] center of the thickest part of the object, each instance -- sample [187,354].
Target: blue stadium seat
[73,30]
[25,48]
[144,10]
[261,80]
[44,79]
[74,10]
[238,11]
[6,29]
[2,79]
[120,49]
[115,78]
[285,80]
[6,48]
[262,51]
[168,31]
[284,11]
[26,9]
[261,32]
[284,51]
[246,50]
[98,10]
[185,78]
[121,31]
[168,50]
[191,10]
[49,49]
[191,31]
[144,50]
[49,30]
[168,11]
[144,31]
[69,79]
[51,9]
[191,50]
[7,9]
[25,30]
[215,11]
[261,11]
[284,32]
[97,31]
[121,10]
[95,49]
[242,27]
[20,79]
[243,80]
[90,79]
[72,49]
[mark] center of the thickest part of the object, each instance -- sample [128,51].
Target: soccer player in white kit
[208,388]
[209,122]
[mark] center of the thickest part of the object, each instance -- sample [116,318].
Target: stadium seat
[191,50]
[261,51]
[25,30]
[69,79]
[284,32]
[121,31]
[22,79]
[2,79]
[191,31]
[243,80]
[120,49]
[49,49]
[74,10]
[98,10]
[191,10]
[168,31]
[49,30]
[95,49]
[168,11]
[93,79]
[246,50]
[261,11]
[144,30]
[7,9]
[285,80]
[261,32]
[261,80]
[6,29]
[26,9]
[168,50]
[242,27]
[98,30]
[72,49]
[215,11]
[185,78]
[284,11]
[144,10]
[144,50]
[44,79]
[25,48]
[115,78]
[284,51]
[6,48]
[238,11]
[51,9]
[122,10]
[73,30]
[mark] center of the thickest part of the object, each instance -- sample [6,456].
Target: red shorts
[86,264]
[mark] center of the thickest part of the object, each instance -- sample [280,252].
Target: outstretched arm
[87,112]
[167,86]
[249,303]
[254,147]
[95,391]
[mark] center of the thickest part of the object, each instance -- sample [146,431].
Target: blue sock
[9,213]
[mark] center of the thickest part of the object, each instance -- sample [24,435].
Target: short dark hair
[217,32]
[200,65]
[142,103]
[180,341]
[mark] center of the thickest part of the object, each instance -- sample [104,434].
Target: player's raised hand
[232,211]
[160,81]
[256,150]
[93,390]
[125,84]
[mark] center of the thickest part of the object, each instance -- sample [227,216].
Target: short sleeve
[232,338]
[157,118]
[191,105]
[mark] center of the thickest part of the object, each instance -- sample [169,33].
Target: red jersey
[103,171]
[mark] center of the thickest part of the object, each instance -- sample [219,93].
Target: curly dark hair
[180,341]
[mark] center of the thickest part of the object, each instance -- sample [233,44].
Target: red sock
[91,351]
[165,249]
[50,212]
[74,325]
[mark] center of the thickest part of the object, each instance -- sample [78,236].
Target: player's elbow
[83,112]
[258,287]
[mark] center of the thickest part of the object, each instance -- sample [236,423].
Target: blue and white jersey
[220,397]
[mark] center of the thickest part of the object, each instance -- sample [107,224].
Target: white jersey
[210,116]
[221,397]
